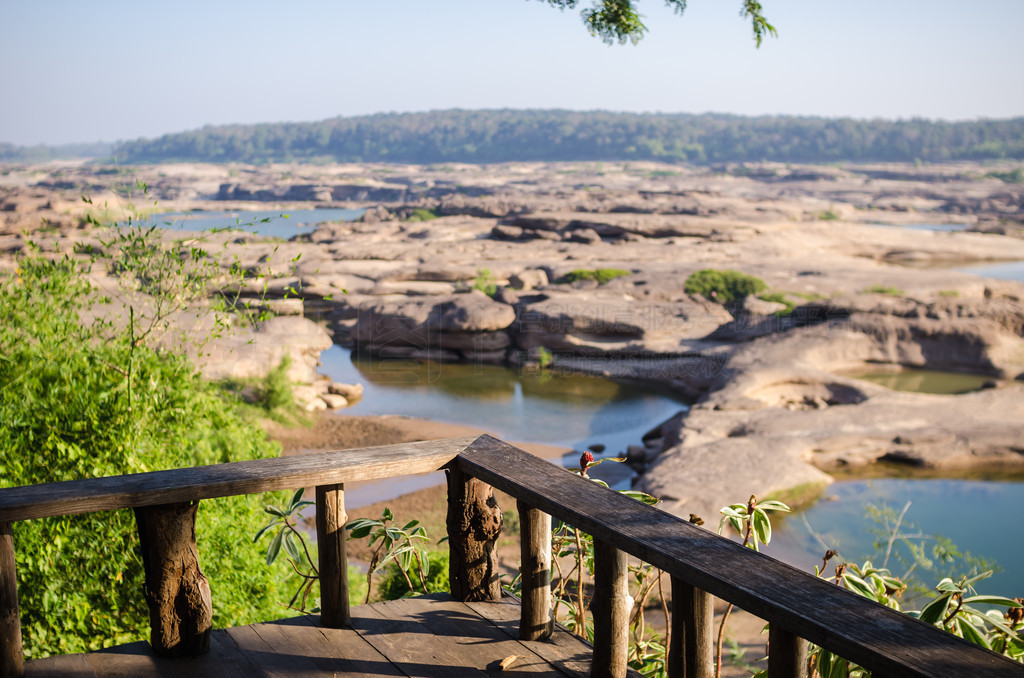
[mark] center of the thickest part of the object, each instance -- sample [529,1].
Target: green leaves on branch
[618,20]
[283,527]
[751,520]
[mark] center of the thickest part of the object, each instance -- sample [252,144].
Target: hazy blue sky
[82,71]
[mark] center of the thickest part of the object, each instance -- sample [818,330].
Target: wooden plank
[429,637]
[332,651]
[691,653]
[853,627]
[65,666]
[258,645]
[11,659]
[564,650]
[331,554]
[537,621]
[223,480]
[137,659]
[611,606]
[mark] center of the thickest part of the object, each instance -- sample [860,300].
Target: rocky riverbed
[492,280]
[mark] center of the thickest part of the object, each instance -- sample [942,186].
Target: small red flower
[586,459]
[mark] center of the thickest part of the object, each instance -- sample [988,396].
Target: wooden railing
[799,607]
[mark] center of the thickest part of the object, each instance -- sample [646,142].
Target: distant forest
[41,153]
[554,135]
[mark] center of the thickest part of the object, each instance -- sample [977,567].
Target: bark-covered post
[611,606]
[691,651]
[536,621]
[474,523]
[178,595]
[11,661]
[787,653]
[333,560]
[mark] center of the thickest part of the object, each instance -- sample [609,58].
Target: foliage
[829,215]
[883,289]
[404,546]
[421,214]
[80,400]
[395,582]
[283,528]
[601,275]
[779,298]
[1014,176]
[485,282]
[723,286]
[557,135]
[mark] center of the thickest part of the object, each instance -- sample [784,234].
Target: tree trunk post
[787,654]
[178,595]
[691,651]
[474,523]
[536,621]
[11,659]
[333,560]
[611,607]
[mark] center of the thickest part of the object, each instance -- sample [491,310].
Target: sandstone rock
[350,392]
[334,401]
[474,312]
[528,279]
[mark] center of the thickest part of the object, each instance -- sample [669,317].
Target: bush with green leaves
[723,286]
[600,275]
[87,399]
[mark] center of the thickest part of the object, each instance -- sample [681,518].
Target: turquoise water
[928,227]
[272,223]
[1007,270]
[980,516]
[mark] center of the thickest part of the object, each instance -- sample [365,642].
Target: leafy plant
[829,215]
[421,214]
[303,564]
[883,289]
[601,275]
[485,282]
[82,398]
[752,522]
[723,286]
[404,546]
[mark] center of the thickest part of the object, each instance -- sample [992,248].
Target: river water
[978,514]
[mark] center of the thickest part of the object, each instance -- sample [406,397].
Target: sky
[74,72]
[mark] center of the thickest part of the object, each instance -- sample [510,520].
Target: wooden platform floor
[427,636]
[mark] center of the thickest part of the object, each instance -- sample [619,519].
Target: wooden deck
[427,636]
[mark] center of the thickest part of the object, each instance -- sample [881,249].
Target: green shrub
[601,275]
[829,215]
[779,298]
[883,289]
[723,286]
[82,401]
[422,214]
[1015,176]
[393,584]
[485,282]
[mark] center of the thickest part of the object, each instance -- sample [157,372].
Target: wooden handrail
[224,480]
[795,602]
[799,606]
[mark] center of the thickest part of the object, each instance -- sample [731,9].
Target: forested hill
[552,135]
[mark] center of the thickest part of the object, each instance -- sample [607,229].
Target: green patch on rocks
[724,286]
[601,275]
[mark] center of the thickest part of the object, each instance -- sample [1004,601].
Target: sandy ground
[429,504]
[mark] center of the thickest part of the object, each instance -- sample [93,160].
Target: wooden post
[11,661]
[611,606]
[333,565]
[178,595]
[691,652]
[474,523]
[787,654]
[536,621]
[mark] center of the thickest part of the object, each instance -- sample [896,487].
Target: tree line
[558,135]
